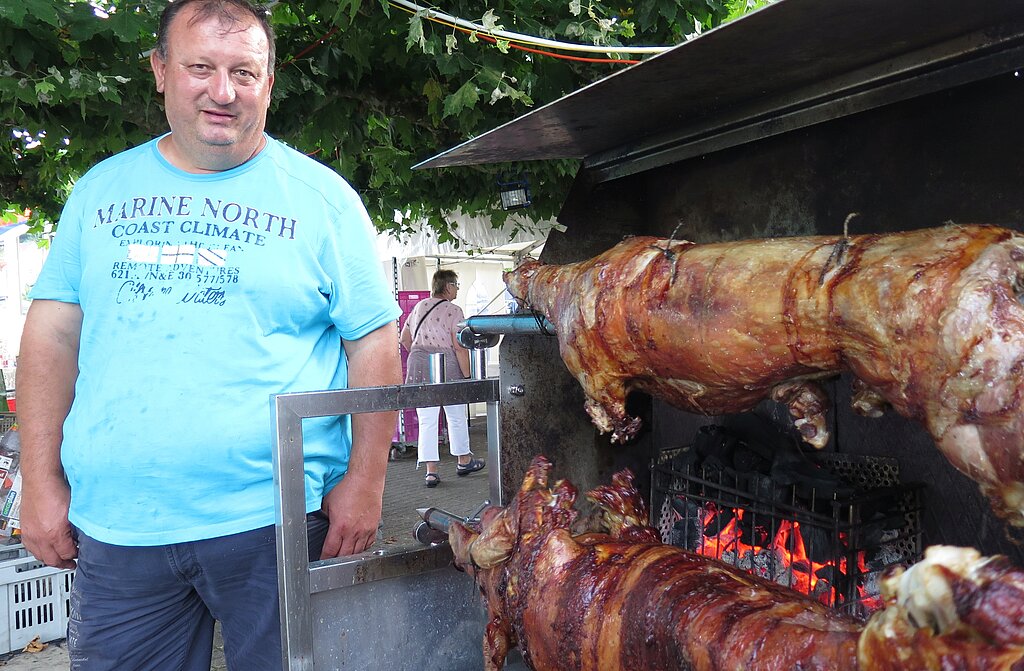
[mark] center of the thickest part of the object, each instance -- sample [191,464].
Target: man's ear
[159,66]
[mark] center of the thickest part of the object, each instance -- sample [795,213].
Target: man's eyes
[201,68]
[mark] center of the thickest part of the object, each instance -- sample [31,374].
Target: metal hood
[788,65]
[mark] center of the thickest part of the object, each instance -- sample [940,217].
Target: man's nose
[222,90]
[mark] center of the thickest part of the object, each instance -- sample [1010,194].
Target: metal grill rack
[867,532]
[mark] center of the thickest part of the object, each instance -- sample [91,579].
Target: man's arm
[354,505]
[47,370]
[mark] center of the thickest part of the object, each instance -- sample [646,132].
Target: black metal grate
[833,547]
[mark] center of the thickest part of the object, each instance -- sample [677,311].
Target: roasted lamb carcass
[929,322]
[617,599]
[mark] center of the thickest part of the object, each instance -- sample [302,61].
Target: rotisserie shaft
[927,321]
[622,600]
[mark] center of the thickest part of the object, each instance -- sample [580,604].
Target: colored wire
[566,57]
[312,46]
[518,37]
[492,36]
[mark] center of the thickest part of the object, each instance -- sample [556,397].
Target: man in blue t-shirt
[191,278]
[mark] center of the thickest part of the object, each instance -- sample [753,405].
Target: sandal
[472,466]
[432,480]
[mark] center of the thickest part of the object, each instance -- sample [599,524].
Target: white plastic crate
[34,599]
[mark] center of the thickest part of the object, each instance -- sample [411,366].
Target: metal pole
[528,323]
[292,541]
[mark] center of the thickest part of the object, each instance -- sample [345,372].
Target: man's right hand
[45,529]
[47,373]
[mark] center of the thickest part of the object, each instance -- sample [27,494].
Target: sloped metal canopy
[790,64]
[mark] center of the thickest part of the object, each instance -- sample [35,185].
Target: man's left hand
[353,508]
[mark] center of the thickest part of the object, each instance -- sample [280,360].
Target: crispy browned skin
[928,321]
[981,609]
[622,600]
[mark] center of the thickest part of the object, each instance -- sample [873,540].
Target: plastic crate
[407,300]
[407,429]
[35,599]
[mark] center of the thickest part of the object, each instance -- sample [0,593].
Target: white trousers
[458,432]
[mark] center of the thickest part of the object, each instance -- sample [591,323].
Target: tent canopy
[477,239]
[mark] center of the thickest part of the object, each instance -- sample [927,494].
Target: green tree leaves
[369,88]
[465,98]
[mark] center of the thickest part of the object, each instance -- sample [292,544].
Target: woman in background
[432,327]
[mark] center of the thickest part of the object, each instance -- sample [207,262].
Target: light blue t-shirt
[203,295]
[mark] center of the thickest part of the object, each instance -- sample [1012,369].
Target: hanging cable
[565,57]
[526,39]
[493,40]
[492,36]
[311,47]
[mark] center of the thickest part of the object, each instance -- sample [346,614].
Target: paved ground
[403,494]
[405,491]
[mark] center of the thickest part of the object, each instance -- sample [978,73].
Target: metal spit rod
[525,323]
[436,522]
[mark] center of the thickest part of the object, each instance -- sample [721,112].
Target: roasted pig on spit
[619,599]
[929,322]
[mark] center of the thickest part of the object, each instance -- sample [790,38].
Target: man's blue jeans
[153,608]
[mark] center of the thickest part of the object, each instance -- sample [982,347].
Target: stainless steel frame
[320,597]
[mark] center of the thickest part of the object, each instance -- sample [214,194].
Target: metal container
[478,364]
[435,371]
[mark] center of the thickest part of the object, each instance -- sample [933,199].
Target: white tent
[20,261]
[476,237]
[480,257]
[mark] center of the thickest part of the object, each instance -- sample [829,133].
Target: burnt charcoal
[713,464]
[810,480]
[747,460]
[740,481]
[766,489]
[875,533]
[687,534]
[684,507]
[689,512]
[713,440]
[716,472]
[887,555]
[756,429]
[819,544]
[685,460]
[765,451]
[887,503]
[834,579]
[823,593]
[829,572]
[727,460]
[755,535]
[718,521]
